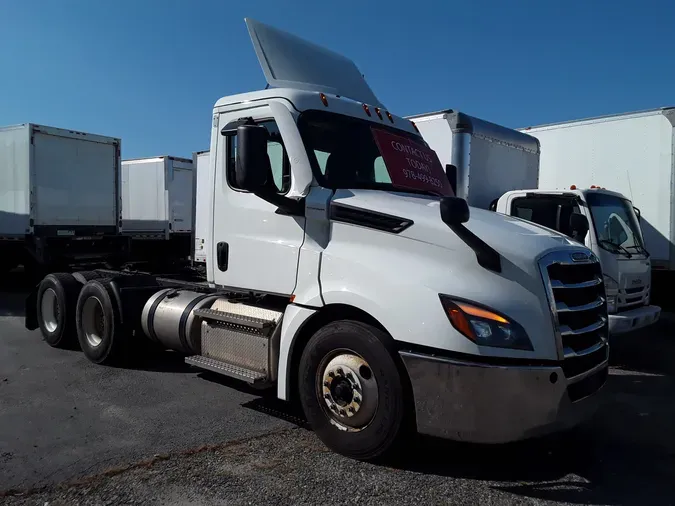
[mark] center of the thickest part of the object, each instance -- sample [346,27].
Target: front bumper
[482,403]
[633,319]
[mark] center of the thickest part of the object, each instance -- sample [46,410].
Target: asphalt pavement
[72,432]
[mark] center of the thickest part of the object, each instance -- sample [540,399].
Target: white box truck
[59,197]
[157,206]
[632,153]
[201,217]
[342,272]
[499,168]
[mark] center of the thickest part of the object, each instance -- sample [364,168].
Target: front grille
[577,297]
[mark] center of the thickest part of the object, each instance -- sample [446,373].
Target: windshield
[615,223]
[348,153]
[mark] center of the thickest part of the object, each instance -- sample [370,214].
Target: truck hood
[519,241]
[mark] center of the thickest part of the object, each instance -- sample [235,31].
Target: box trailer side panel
[144,196]
[497,166]
[631,154]
[202,206]
[14,181]
[180,195]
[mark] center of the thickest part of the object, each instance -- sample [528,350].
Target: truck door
[550,210]
[255,246]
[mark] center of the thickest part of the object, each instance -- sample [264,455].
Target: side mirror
[454,211]
[451,174]
[252,165]
[579,226]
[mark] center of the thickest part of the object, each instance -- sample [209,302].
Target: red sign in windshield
[411,165]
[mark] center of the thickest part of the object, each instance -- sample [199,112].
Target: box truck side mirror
[638,214]
[578,226]
[252,165]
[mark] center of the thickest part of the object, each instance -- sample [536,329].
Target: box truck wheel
[351,389]
[99,326]
[56,303]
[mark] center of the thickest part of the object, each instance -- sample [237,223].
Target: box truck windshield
[615,223]
[349,153]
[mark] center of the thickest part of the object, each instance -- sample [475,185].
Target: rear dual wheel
[56,307]
[352,391]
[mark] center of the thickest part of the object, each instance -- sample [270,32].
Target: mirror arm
[486,255]
[286,205]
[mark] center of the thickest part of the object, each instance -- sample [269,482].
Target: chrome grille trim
[577,323]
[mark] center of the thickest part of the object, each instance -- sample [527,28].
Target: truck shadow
[14,288]
[649,350]
[625,450]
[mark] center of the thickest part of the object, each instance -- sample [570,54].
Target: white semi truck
[59,198]
[634,154]
[341,271]
[157,206]
[498,168]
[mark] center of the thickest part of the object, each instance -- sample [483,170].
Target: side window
[537,210]
[280,173]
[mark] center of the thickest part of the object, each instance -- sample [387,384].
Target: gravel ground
[241,450]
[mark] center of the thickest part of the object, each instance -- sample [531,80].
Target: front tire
[99,326]
[56,308]
[352,391]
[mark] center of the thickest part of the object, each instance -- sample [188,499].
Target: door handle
[222,254]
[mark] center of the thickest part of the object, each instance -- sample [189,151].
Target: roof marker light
[415,126]
[573,187]
[377,111]
[324,99]
[391,118]
[365,108]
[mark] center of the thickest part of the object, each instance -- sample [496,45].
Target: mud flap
[30,310]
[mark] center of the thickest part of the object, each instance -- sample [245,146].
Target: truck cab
[613,234]
[343,272]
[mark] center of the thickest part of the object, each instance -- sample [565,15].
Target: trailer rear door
[75,179]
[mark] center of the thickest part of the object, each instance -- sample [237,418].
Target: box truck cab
[491,166]
[341,271]
[614,235]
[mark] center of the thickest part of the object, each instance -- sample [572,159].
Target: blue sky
[149,71]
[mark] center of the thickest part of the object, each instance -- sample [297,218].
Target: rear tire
[56,309]
[352,391]
[99,326]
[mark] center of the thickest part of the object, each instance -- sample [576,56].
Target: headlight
[611,293]
[485,327]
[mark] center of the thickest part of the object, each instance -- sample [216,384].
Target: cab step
[210,364]
[238,340]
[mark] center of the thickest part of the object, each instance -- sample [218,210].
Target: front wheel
[352,391]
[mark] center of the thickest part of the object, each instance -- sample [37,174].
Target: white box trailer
[632,153]
[200,162]
[157,195]
[59,195]
[488,159]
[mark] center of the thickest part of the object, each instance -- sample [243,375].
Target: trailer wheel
[351,390]
[56,303]
[99,326]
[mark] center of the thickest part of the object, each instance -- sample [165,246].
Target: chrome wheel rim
[93,321]
[51,312]
[347,390]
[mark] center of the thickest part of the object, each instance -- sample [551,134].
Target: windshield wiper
[639,248]
[617,247]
